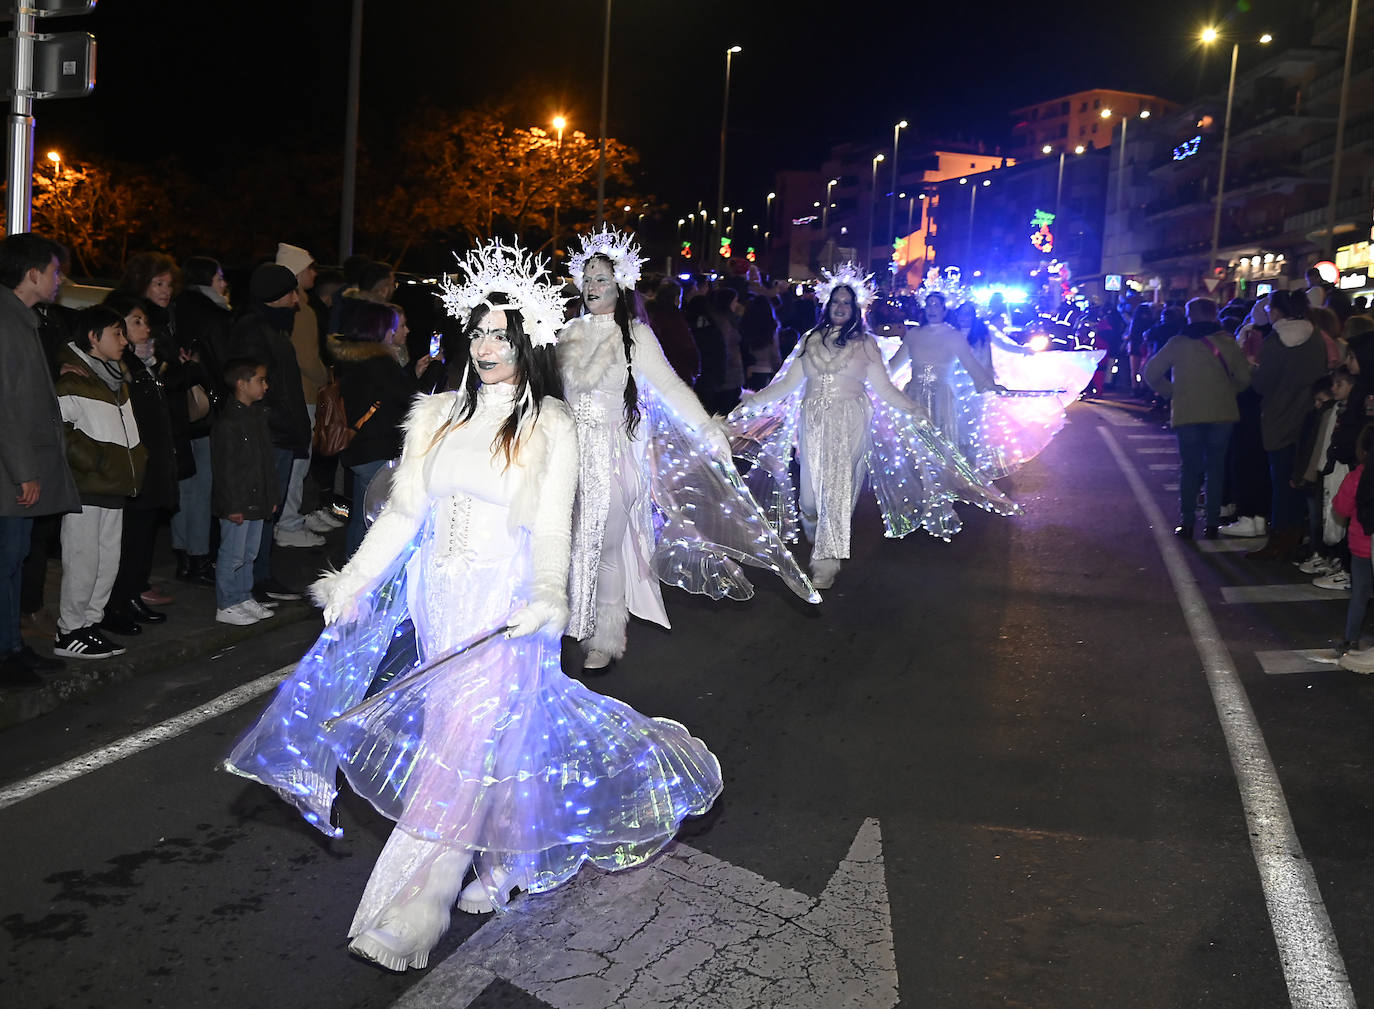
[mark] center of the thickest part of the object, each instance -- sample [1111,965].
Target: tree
[84,206]
[470,174]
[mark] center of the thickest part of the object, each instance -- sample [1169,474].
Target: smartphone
[436,347]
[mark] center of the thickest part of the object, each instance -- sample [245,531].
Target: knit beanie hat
[271,281]
[293,257]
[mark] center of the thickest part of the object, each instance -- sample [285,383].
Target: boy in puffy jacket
[107,460]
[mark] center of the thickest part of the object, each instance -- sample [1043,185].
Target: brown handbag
[332,432]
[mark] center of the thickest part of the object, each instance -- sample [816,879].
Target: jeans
[191,522]
[238,545]
[1286,507]
[1201,457]
[357,526]
[1361,588]
[14,547]
[290,516]
[262,566]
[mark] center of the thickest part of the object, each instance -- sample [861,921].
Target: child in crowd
[1314,477]
[107,461]
[1361,568]
[245,490]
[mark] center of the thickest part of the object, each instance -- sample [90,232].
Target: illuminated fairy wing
[707,521]
[287,749]
[1066,372]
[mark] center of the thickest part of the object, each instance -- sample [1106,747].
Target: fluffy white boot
[406,932]
[607,642]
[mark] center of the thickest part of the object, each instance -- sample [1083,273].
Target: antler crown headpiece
[846,275]
[618,247]
[495,268]
[948,285]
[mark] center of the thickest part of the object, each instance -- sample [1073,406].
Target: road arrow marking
[689,931]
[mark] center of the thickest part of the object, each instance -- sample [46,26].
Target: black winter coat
[368,373]
[242,459]
[255,337]
[155,430]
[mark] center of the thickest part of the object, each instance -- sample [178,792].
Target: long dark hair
[851,329]
[628,308]
[536,371]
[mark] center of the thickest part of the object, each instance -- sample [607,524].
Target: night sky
[221,80]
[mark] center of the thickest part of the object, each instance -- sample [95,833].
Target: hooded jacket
[1291,359]
[368,373]
[256,336]
[1208,372]
[107,458]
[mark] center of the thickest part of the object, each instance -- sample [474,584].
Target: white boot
[406,932]
[823,571]
[607,642]
[476,897]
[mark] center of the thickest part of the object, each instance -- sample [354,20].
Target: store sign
[1187,150]
[1351,281]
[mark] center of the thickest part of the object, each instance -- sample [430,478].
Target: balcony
[1229,237]
[1355,207]
[1273,174]
[1331,80]
[1356,133]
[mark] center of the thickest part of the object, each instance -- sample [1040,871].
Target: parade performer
[485,755]
[998,434]
[834,403]
[658,497]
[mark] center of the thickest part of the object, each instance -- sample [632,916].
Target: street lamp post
[559,123]
[724,121]
[872,201]
[1208,36]
[768,216]
[605,88]
[825,209]
[892,197]
[972,206]
[1340,135]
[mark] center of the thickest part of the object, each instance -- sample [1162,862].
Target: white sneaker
[257,609]
[297,538]
[1315,565]
[1246,525]
[1337,580]
[1358,662]
[322,521]
[237,615]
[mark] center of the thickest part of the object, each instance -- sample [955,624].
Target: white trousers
[291,518]
[90,561]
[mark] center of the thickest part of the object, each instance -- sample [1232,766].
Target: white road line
[1302,660]
[139,741]
[1288,593]
[1163,465]
[1307,947]
[1157,450]
[1230,545]
[1120,418]
[1139,437]
[1170,486]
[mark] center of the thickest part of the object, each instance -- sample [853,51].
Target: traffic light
[686,251]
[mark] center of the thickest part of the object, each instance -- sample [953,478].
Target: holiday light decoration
[1042,237]
[949,284]
[686,251]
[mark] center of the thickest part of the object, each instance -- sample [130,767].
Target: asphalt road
[1023,711]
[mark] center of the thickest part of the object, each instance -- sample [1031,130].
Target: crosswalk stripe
[1301,660]
[1231,545]
[1137,437]
[1279,594]
[1163,465]
[1157,450]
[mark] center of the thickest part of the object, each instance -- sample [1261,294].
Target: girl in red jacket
[1361,568]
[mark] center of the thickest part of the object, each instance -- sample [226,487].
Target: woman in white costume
[658,496]
[488,758]
[834,403]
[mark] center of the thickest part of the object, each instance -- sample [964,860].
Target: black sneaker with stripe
[85,643]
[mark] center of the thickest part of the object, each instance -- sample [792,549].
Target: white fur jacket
[545,470]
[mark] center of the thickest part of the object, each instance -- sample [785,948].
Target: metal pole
[605,88]
[1221,172]
[19,202]
[350,165]
[1121,172]
[892,196]
[724,122]
[1059,188]
[968,253]
[1340,136]
[872,201]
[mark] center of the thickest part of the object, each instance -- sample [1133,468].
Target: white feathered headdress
[948,285]
[846,275]
[616,246]
[507,269]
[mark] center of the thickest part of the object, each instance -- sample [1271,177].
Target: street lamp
[872,200]
[560,122]
[1340,132]
[1047,149]
[825,210]
[1121,156]
[972,205]
[892,197]
[1059,184]
[768,215]
[724,120]
[1208,36]
[605,87]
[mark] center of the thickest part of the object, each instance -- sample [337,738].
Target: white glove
[537,615]
[717,437]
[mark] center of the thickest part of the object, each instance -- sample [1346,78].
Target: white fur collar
[591,355]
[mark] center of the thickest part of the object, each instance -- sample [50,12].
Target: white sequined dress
[491,751]
[663,504]
[836,407]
